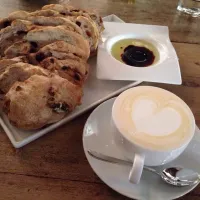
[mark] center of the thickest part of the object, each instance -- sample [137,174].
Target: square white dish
[165,70]
[95,92]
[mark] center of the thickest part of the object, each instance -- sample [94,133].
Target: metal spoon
[174,175]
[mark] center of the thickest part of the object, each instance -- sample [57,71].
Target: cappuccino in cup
[155,126]
[153,118]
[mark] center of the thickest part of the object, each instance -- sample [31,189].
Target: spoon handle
[151,170]
[110,159]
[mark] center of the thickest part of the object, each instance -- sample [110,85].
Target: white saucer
[97,136]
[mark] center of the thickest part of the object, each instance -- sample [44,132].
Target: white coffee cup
[151,154]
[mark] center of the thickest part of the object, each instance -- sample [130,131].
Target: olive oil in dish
[135,52]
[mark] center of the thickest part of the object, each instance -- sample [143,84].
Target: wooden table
[55,167]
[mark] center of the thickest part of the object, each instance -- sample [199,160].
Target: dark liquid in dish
[135,52]
[137,56]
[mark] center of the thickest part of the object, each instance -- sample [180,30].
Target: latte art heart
[154,121]
[153,118]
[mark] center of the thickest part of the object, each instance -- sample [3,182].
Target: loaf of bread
[43,62]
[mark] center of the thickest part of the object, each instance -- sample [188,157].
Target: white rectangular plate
[95,92]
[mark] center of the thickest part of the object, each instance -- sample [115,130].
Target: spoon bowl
[180,176]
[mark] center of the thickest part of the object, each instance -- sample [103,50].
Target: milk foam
[152,120]
[153,117]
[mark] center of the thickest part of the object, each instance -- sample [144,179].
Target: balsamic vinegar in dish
[135,52]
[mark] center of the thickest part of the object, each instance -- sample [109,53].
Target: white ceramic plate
[97,136]
[165,70]
[95,92]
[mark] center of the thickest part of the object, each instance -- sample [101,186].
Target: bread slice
[26,103]
[62,9]
[5,22]
[18,72]
[20,48]
[90,31]
[68,10]
[14,33]
[60,50]
[23,15]
[4,63]
[58,33]
[40,100]
[70,69]
[55,21]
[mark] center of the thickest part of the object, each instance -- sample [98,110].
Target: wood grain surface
[54,166]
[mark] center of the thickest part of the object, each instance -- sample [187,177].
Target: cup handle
[137,168]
